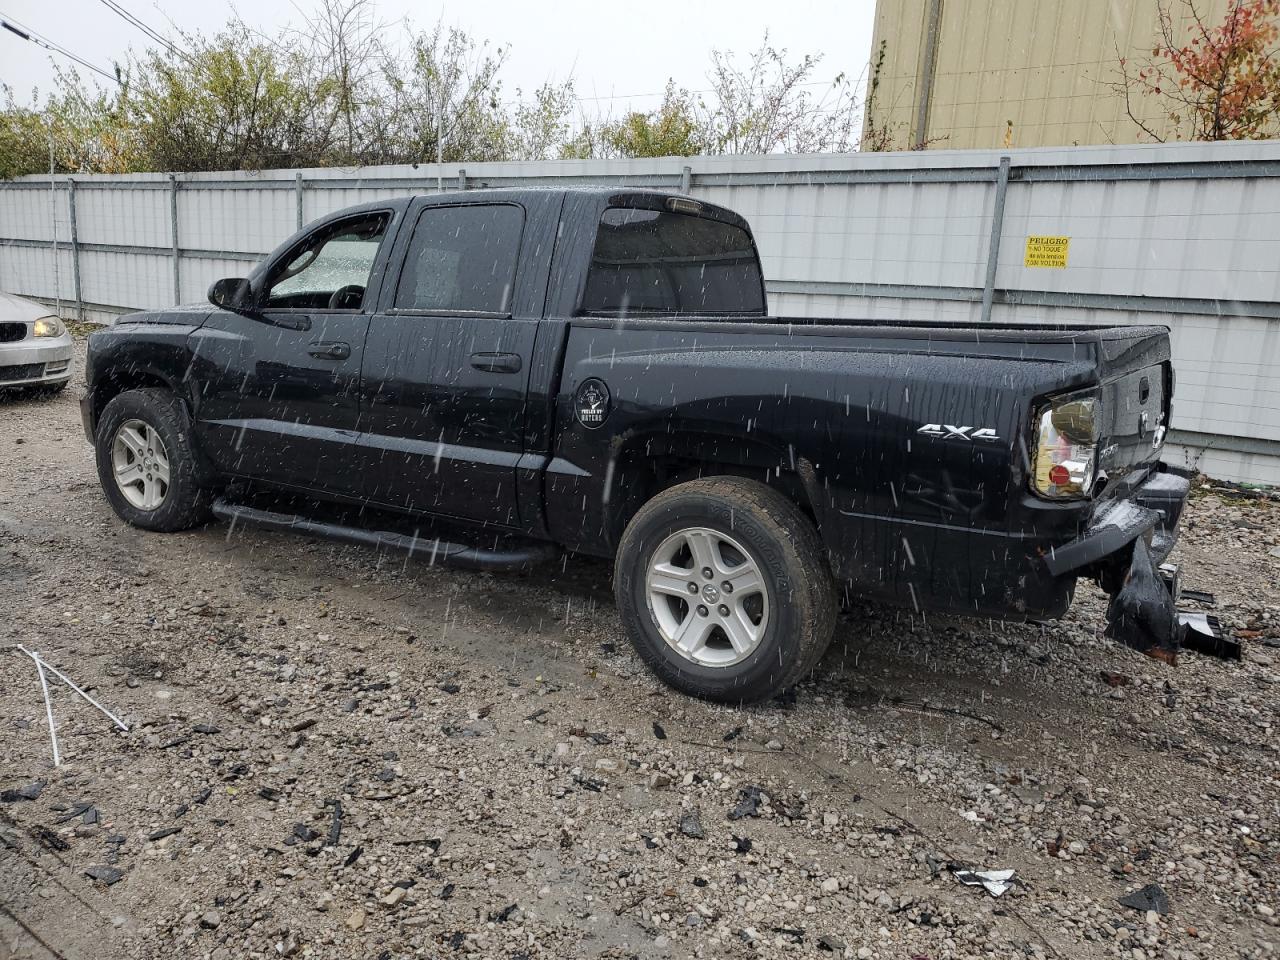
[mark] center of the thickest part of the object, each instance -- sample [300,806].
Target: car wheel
[146,463]
[724,589]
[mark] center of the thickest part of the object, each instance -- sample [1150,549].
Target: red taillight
[1059,475]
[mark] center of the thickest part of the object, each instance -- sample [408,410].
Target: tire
[784,627]
[177,504]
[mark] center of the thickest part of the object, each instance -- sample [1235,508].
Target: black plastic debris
[204,795]
[1142,614]
[181,810]
[742,844]
[30,791]
[304,833]
[1202,632]
[658,731]
[353,856]
[386,775]
[104,874]
[733,734]
[335,825]
[792,934]
[830,944]
[749,800]
[269,793]
[75,811]
[537,715]
[450,688]
[1150,897]
[50,840]
[447,891]
[161,834]
[590,783]
[207,728]
[691,825]
[503,915]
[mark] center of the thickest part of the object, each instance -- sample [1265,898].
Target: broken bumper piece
[1125,547]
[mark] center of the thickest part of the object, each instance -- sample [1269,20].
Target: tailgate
[1136,393]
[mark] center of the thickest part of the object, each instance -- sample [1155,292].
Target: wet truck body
[594,370]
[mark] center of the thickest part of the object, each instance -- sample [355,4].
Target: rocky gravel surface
[333,753]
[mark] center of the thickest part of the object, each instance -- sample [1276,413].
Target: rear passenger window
[655,262]
[462,260]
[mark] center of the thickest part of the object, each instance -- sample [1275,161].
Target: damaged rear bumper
[1124,548]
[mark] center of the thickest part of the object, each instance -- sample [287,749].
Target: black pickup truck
[487,378]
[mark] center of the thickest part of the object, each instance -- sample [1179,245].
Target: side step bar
[432,549]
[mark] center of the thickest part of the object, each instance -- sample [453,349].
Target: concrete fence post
[997,228]
[75,249]
[297,195]
[686,179]
[462,179]
[173,233]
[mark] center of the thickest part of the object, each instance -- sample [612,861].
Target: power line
[26,33]
[134,21]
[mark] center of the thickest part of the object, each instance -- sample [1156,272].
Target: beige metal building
[982,74]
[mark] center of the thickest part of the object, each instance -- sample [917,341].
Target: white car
[35,347]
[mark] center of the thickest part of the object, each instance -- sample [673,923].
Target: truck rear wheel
[724,589]
[146,462]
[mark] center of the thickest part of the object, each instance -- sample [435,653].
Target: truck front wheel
[146,463]
[724,589]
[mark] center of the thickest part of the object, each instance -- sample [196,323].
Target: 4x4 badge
[944,431]
[592,402]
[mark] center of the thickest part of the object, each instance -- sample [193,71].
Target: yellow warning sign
[1047,252]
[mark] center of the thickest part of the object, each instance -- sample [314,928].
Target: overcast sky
[619,53]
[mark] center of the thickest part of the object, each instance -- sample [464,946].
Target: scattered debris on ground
[333,754]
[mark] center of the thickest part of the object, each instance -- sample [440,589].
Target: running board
[432,549]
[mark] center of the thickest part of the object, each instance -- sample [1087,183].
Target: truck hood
[191,314]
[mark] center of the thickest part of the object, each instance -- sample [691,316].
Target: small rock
[773,745]
[356,920]
[691,825]
[211,920]
[831,885]
[394,898]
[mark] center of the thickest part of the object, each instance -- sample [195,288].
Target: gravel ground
[337,754]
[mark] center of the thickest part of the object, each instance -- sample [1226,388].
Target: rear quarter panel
[933,520]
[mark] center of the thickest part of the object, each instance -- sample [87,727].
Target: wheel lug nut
[693,588]
[724,610]
[702,611]
[726,587]
[706,573]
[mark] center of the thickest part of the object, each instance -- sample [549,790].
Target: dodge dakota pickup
[490,377]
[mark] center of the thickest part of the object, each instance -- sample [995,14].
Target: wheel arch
[646,463]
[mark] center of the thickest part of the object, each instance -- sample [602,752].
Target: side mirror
[230,293]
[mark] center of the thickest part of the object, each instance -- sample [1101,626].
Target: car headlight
[48,327]
[1066,438]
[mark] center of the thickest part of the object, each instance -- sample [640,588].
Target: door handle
[496,362]
[330,349]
